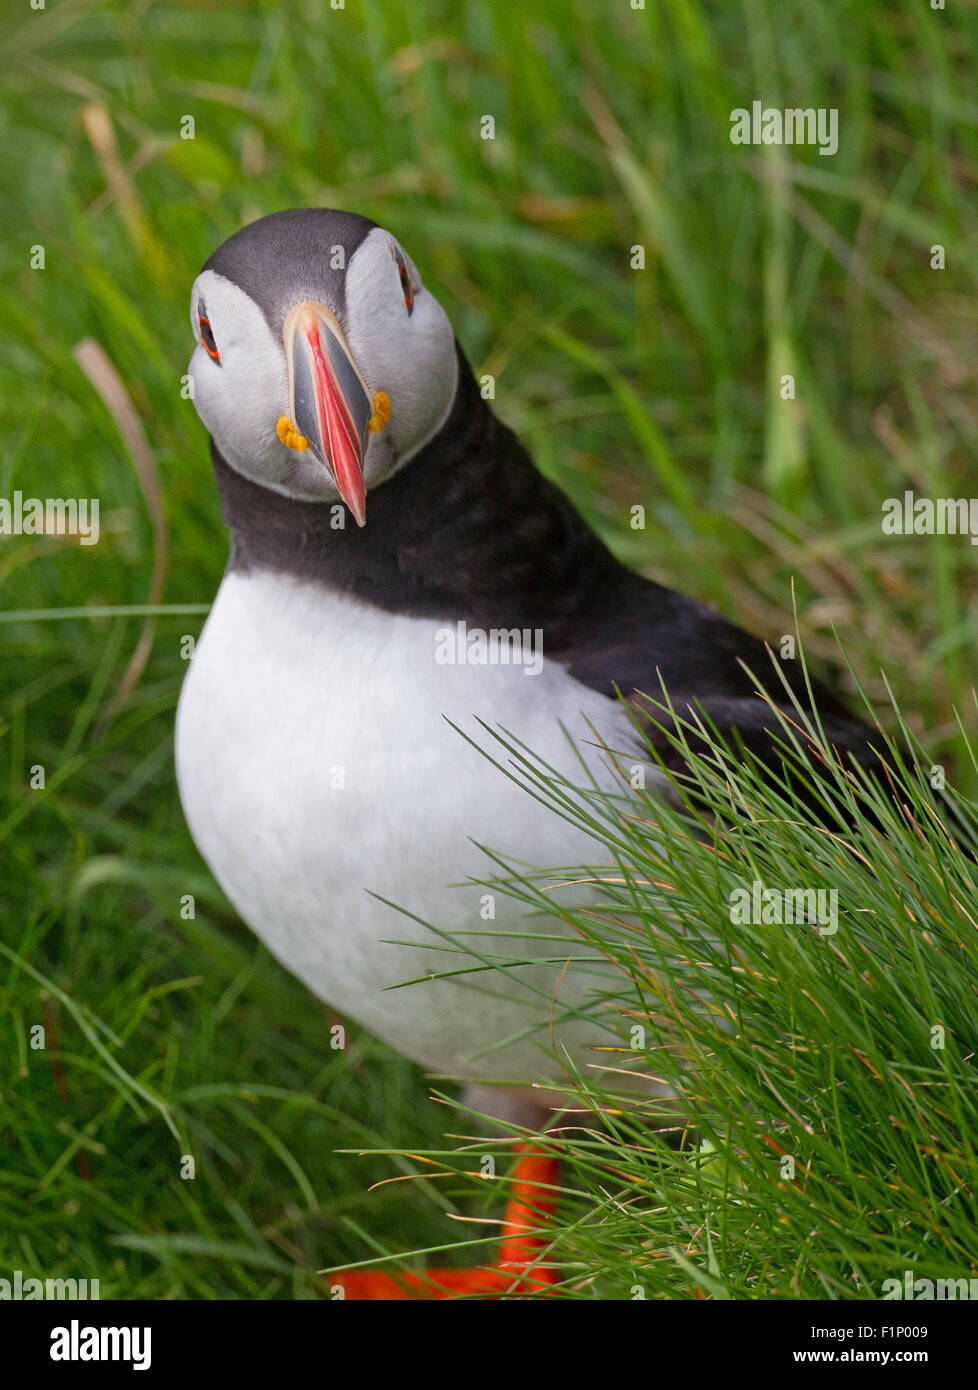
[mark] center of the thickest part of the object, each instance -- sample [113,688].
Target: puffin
[401,582]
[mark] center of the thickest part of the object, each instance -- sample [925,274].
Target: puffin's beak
[331,406]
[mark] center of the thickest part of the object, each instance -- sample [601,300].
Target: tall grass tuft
[806,990]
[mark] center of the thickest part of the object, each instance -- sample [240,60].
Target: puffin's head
[322,362]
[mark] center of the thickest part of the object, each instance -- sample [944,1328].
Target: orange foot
[519,1247]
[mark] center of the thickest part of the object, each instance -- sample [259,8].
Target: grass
[824,1136]
[656,388]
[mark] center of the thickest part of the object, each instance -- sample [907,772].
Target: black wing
[655,643]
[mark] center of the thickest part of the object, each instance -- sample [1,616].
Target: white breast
[317,767]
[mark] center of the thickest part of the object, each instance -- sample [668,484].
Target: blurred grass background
[657,387]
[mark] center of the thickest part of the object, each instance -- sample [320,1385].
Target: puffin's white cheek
[379,459]
[201,372]
[413,361]
[240,401]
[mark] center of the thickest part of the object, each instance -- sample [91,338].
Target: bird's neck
[467,530]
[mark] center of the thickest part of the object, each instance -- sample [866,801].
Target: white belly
[317,767]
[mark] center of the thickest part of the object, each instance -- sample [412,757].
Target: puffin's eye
[407,289]
[207,333]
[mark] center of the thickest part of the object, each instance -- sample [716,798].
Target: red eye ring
[207,340]
[407,289]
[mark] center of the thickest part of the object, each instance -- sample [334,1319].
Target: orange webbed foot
[531,1202]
